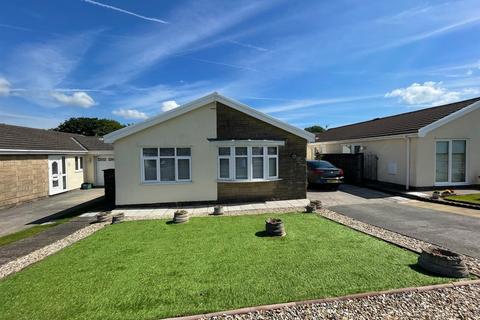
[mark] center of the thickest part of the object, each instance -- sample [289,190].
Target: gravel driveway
[459,231]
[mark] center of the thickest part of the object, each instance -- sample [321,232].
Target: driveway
[455,228]
[26,215]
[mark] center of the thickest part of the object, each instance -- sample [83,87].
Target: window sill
[77,171]
[249,181]
[148,183]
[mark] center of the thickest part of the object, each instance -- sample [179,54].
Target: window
[78,163]
[166,164]
[255,163]
[450,161]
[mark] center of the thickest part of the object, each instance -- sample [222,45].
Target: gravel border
[448,302]
[400,240]
[37,255]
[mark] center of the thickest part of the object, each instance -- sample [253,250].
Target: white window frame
[79,163]
[232,163]
[157,158]
[229,158]
[450,152]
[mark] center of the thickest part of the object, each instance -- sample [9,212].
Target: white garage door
[103,162]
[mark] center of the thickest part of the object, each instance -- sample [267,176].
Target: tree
[89,126]
[315,129]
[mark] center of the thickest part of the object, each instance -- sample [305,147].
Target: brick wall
[22,178]
[232,124]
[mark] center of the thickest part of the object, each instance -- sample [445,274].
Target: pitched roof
[24,138]
[404,123]
[200,102]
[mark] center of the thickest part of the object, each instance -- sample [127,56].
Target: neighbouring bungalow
[36,163]
[213,149]
[424,149]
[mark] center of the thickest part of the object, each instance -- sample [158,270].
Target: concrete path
[24,216]
[23,247]
[204,210]
[455,228]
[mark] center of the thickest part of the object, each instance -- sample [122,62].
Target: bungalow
[433,147]
[213,149]
[36,163]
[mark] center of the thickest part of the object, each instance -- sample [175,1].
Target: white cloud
[169,105]
[429,93]
[4,87]
[79,99]
[130,114]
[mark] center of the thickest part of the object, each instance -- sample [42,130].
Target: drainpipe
[407,178]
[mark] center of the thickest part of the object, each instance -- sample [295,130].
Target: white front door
[103,162]
[57,177]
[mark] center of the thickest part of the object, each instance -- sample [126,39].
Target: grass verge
[153,269]
[473,198]
[27,233]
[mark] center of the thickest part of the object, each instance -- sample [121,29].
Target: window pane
[76,163]
[241,168]
[183,152]
[54,167]
[150,170]
[224,151]
[458,160]
[241,151]
[167,169]
[183,169]
[64,166]
[167,152]
[81,162]
[225,168]
[441,162]
[257,166]
[257,151]
[150,152]
[64,179]
[272,150]
[272,167]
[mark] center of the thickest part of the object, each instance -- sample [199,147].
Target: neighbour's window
[247,163]
[166,164]
[78,163]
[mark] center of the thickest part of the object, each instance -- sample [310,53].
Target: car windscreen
[321,164]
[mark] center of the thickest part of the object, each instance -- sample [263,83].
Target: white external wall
[74,178]
[466,127]
[188,130]
[89,167]
[390,152]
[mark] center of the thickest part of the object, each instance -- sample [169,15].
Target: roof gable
[416,122]
[213,97]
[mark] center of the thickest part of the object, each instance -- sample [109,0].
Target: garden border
[325,300]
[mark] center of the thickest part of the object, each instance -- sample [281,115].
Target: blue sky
[305,62]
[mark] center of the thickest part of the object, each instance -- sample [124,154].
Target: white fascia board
[26,151]
[422,132]
[398,136]
[112,137]
[100,152]
[248,142]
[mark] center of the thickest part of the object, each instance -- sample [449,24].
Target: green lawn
[152,269]
[473,198]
